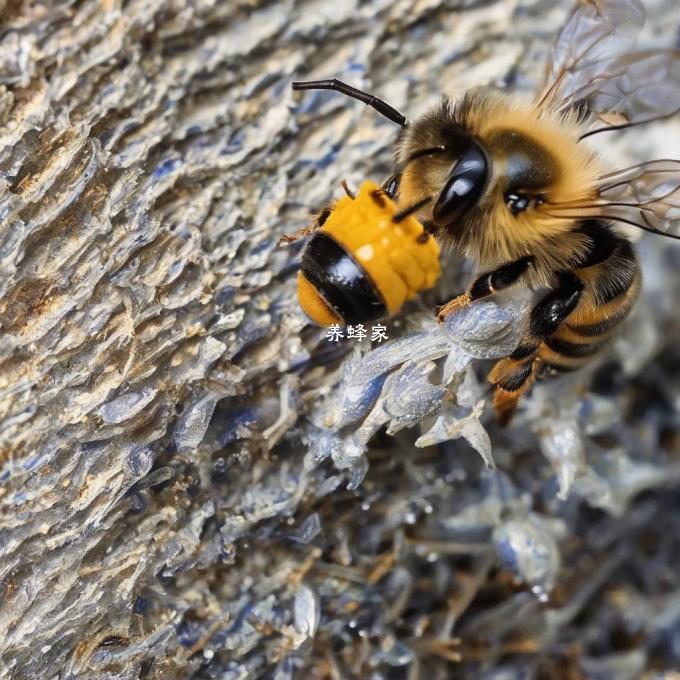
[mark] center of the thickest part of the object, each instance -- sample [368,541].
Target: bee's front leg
[487,284]
[391,184]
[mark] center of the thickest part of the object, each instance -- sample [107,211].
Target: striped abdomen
[611,279]
[576,321]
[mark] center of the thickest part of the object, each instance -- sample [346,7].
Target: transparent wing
[588,50]
[645,195]
[646,88]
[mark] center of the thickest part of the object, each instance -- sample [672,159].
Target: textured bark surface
[186,484]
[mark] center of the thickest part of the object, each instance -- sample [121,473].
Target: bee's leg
[317,222]
[514,375]
[391,185]
[487,284]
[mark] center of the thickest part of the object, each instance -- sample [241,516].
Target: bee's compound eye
[463,187]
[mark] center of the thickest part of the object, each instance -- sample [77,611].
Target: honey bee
[514,186]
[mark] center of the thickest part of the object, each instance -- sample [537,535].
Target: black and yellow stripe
[340,281]
[611,276]
[576,321]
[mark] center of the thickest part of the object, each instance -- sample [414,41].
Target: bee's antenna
[379,105]
[400,216]
[347,190]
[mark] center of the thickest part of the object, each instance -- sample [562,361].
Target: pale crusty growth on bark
[187,487]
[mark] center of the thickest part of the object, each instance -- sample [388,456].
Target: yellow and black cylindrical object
[362,265]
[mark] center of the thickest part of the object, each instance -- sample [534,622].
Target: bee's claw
[287,239]
[453,306]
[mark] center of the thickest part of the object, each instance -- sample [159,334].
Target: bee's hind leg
[514,375]
[487,284]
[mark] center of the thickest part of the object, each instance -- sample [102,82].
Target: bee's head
[440,157]
[457,164]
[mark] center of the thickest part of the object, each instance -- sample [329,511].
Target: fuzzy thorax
[531,151]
